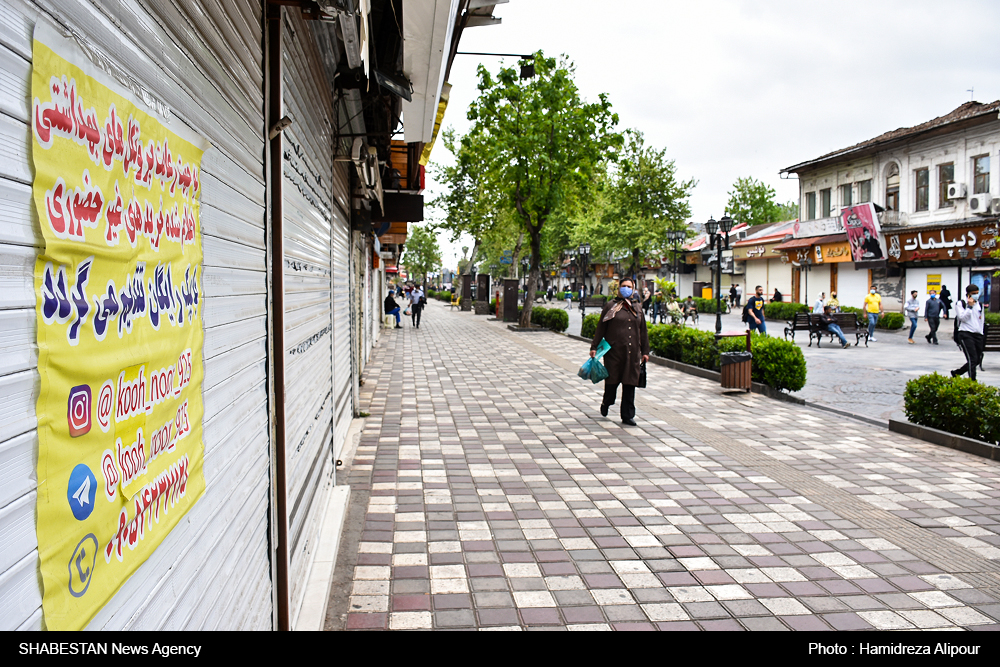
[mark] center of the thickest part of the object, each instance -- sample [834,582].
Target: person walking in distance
[732,296]
[739,294]
[912,310]
[569,299]
[932,315]
[970,338]
[583,300]
[417,302]
[623,326]
[945,300]
[873,309]
[820,303]
[753,312]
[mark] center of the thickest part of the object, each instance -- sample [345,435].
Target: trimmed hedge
[957,405]
[776,362]
[589,327]
[783,310]
[993,318]
[555,319]
[888,321]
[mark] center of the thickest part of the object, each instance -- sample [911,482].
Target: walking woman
[624,327]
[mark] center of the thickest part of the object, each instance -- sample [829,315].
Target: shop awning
[823,240]
[390,268]
[795,244]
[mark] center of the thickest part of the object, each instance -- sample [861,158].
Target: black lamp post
[675,237]
[716,242]
[583,252]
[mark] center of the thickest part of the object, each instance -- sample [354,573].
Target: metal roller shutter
[308,216]
[203,61]
[343,396]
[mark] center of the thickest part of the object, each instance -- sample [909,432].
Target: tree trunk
[515,258]
[533,274]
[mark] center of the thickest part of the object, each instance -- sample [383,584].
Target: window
[892,187]
[846,195]
[946,176]
[864,192]
[825,202]
[981,174]
[811,205]
[923,188]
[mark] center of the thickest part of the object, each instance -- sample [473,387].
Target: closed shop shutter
[308,217]
[202,61]
[343,396]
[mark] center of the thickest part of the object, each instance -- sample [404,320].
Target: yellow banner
[120,332]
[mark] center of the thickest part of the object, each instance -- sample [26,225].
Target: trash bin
[736,370]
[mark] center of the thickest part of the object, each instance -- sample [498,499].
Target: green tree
[636,204]
[421,254]
[752,202]
[541,143]
[789,211]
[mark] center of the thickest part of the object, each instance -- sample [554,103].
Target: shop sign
[821,227]
[760,251]
[830,253]
[941,244]
[863,232]
[120,305]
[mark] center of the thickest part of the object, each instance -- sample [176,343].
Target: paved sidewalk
[494,496]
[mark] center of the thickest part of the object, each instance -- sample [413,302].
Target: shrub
[589,327]
[784,311]
[891,321]
[993,318]
[776,362]
[558,319]
[957,405]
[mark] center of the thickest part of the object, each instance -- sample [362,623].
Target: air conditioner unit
[981,204]
[956,191]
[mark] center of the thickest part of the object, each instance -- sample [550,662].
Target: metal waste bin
[736,370]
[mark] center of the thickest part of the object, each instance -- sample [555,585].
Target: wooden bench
[801,322]
[992,332]
[848,323]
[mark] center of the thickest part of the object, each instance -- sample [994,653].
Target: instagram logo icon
[79,410]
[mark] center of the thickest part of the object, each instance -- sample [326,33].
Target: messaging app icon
[81,492]
[79,410]
[82,564]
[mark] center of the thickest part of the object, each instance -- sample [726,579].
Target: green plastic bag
[597,371]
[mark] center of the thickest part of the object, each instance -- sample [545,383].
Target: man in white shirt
[820,303]
[970,338]
[416,304]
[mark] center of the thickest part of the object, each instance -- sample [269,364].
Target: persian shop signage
[829,253]
[759,251]
[942,244]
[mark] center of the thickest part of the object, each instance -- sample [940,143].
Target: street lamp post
[715,242]
[583,252]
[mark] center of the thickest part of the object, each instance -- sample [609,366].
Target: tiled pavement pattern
[498,498]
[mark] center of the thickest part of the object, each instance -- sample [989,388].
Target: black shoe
[928,339]
[398,327]
[628,422]
[955,374]
[604,410]
[935,342]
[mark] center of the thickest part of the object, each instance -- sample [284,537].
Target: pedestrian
[820,304]
[970,338]
[826,320]
[873,309]
[732,296]
[569,299]
[647,301]
[417,301]
[600,287]
[739,294]
[912,310]
[833,302]
[392,308]
[583,300]
[622,325]
[945,300]
[753,312]
[932,315]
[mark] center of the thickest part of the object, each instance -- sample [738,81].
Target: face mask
[626,292]
[933,296]
[873,291]
[974,297]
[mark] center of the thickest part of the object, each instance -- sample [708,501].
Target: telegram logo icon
[81,492]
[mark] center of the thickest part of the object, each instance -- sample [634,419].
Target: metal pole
[718,284]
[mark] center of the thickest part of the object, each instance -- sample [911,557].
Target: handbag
[642,376]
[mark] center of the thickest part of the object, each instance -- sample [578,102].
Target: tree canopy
[752,202]
[421,255]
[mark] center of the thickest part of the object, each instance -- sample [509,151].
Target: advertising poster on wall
[863,232]
[120,331]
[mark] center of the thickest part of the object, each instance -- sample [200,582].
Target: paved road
[864,381]
[488,493]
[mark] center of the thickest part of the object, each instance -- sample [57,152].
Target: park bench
[992,332]
[848,323]
[801,322]
[594,302]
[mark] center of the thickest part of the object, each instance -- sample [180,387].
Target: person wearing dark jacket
[932,315]
[828,322]
[623,326]
[945,300]
[392,308]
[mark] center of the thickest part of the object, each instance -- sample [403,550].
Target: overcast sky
[734,89]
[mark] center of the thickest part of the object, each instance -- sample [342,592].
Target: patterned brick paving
[498,498]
